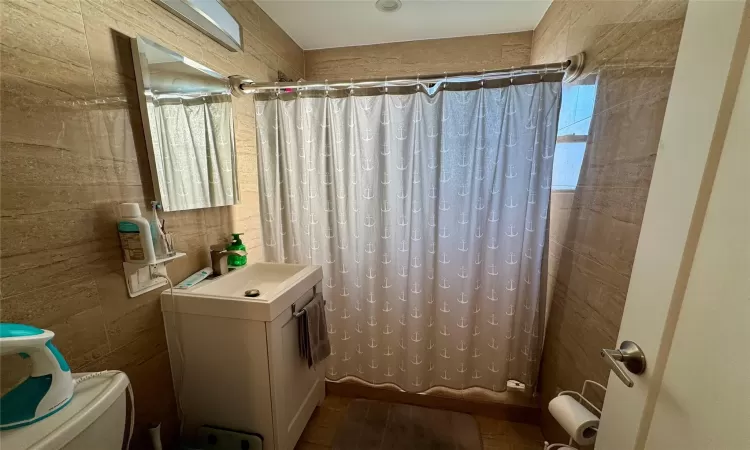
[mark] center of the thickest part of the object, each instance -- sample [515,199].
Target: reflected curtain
[193,151]
[428,216]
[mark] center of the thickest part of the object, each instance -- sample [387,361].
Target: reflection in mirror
[187,117]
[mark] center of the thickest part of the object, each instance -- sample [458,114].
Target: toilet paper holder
[582,399]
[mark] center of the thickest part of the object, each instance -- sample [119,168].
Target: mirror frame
[144,92]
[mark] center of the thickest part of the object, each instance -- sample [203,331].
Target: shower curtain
[427,212]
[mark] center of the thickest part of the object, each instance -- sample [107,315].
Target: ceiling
[315,24]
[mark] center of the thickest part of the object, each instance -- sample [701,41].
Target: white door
[704,400]
[688,304]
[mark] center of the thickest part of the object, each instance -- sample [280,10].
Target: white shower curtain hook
[512,71]
[417,81]
[299,88]
[445,82]
[326,88]
[386,84]
[481,81]
[351,86]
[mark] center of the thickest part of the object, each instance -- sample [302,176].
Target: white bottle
[135,235]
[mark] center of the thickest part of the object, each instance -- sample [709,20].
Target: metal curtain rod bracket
[572,67]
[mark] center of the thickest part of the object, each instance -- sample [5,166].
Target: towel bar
[301,312]
[297,314]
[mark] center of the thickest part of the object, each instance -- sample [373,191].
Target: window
[572,133]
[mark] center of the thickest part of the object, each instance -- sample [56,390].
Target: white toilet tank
[94,419]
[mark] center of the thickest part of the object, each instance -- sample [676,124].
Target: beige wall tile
[197,248]
[623,141]
[644,39]
[20,199]
[108,36]
[27,165]
[82,337]
[261,50]
[140,16]
[594,24]
[630,51]
[601,223]
[425,57]
[144,347]
[221,217]
[32,165]
[281,44]
[550,36]
[31,271]
[267,41]
[186,222]
[26,104]
[51,305]
[617,86]
[46,35]
[73,148]
[127,327]
[39,232]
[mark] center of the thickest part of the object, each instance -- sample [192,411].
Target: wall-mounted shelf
[140,277]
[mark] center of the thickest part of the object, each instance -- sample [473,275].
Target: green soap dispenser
[236,260]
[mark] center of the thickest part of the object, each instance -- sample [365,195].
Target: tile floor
[496,434]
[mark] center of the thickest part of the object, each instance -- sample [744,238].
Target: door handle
[631,356]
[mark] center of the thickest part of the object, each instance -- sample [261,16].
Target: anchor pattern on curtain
[428,215]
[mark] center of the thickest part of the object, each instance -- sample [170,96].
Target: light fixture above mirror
[209,16]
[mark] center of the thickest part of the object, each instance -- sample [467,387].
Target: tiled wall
[414,57]
[631,49]
[73,148]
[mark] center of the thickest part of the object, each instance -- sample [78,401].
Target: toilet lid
[90,399]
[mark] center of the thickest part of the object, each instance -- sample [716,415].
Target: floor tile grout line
[385,427]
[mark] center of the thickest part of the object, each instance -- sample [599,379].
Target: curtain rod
[572,67]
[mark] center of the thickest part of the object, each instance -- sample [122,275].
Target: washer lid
[91,398]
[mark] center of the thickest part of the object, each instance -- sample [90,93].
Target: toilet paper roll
[576,420]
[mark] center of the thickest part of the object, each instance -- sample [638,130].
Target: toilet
[94,419]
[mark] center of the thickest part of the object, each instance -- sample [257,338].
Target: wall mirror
[189,127]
